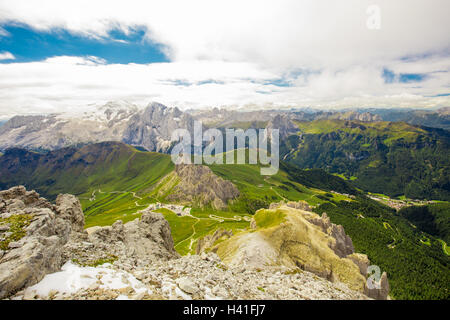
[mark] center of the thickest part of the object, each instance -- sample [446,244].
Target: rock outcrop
[198,184]
[284,124]
[380,291]
[302,205]
[208,241]
[33,233]
[141,241]
[297,238]
[47,254]
[37,238]
[341,243]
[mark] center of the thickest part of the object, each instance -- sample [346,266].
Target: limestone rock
[252,224]
[301,205]
[187,285]
[341,243]
[361,260]
[207,242]
[139,241]
[38,249]
[198,184]
[68,207]
[302,239]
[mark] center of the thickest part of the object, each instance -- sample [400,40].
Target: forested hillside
[391,158]
[433,219]
[416,264]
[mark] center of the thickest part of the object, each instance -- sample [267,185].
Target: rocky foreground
[45,253]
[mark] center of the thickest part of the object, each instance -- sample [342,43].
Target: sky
[330,54]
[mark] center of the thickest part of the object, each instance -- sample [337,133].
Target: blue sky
[27,45]
[389,76]
[59,55]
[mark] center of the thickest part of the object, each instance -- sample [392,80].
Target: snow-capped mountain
[149,128]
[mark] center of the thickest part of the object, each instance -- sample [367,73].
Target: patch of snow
[15,130]
[73,278]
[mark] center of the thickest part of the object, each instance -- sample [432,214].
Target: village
[177,209]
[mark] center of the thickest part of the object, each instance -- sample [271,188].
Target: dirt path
[93,197]
[278,194]
[191,237]
[222,219]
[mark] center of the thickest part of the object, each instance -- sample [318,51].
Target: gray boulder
[37,231]
[138,242]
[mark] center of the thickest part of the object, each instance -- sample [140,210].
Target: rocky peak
[284,124]
[301,239]
[68,207]
[368,117]
[152,129]
[37,238]
[154,110]
[32,235]
[198,184]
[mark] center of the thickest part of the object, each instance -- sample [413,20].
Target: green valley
[115,181]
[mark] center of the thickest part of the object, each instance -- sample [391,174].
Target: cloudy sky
[61,55]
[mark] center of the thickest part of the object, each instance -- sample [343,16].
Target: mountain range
[115,181]
[392,158]
[338,170]
[151,127]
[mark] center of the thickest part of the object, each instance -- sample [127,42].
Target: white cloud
[61,83]
[286,32]
[237,48]
[6,56]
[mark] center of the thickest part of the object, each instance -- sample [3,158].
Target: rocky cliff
[32,235]
[150,128]
[295,238]
[37,238]
[284,124]
[198,184]
[47,254]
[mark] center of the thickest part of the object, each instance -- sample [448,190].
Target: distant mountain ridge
[150,128]
[439,118]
